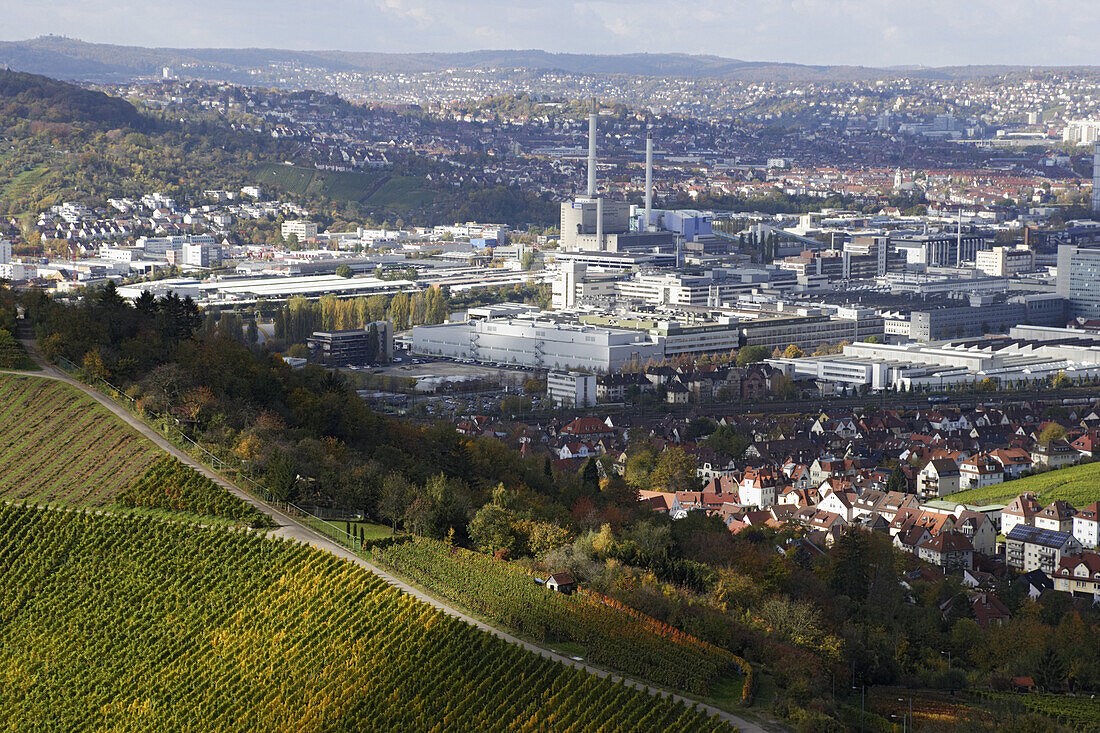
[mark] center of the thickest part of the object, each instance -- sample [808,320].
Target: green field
[58,445]
[124,623]
[602,631]
[1079,485]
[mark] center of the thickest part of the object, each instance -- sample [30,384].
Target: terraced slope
[123,623]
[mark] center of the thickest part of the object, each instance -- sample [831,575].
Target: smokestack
[959,243]
[648,180]
[592,150]
[599,224]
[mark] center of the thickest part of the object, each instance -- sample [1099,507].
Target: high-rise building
[1096,180]
[5,252]
[1079,279]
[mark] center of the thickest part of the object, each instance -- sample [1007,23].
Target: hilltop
[75,59]
[38,98]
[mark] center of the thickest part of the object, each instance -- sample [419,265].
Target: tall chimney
[592,151]
[599,225]
[648,181]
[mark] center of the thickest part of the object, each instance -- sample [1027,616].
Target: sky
[858,32]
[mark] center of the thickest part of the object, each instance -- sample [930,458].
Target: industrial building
[943,250]
[537,342]
[976,316]
[1027,354]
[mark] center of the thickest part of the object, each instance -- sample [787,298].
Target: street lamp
[862,700]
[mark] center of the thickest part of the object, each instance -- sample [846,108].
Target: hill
[60,447]
[74,59]
[41,99]
[136,624]
[1079,485]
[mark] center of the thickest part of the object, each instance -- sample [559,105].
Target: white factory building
[539,343]
[1027,354]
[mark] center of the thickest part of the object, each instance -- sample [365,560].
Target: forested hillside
[41,99]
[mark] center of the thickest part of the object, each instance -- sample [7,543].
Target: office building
[369,345]
[1005,261]
[201,255]
[1096,180]
[300,228]
[571,389]
[1079,279]
[985,314]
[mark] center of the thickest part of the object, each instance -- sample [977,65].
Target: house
[977,472]
[589,428]
[1021,510]
[979,529]
[909,540]
[1085,525]
[839,502]
[759,487]
[1031,548]
[989,610]
[562,583]
[938,478]
[1014,461]
[977,579]
[1035,583]
[895,501]
[1023,684]
[947,550]
[1079,575]
[1054,454]
[1057,517]
[817,520]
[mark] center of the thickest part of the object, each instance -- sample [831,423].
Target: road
[291,528]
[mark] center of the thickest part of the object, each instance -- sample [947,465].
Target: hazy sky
[867,32]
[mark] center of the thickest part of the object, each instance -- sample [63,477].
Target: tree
[851,575]
[1050,671]
[897,481]
[345,271]
[281,476]
[1052,434]
[397,494]
[792,352]
[492,529]
[1060,381]
[727,441]
[752,355]
[675,471]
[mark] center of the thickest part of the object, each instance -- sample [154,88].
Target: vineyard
[129,623]
[58,445]
[1075,484]
[1077,713]
[169,484]
[610,635]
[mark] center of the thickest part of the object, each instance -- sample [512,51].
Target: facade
[985,315]
[342,348]
[948,550]
[938,478]
[5,252]
[1030,548]
[571,389]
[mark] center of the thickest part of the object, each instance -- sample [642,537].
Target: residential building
[1057,517]
[1078,574]
[947,550]
[938,478]
[759,487]
[1021,510]
[1031,548]
[1085,525]
[978,472]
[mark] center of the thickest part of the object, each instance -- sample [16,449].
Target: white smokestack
[599,224]
[648,181]
[592,151]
